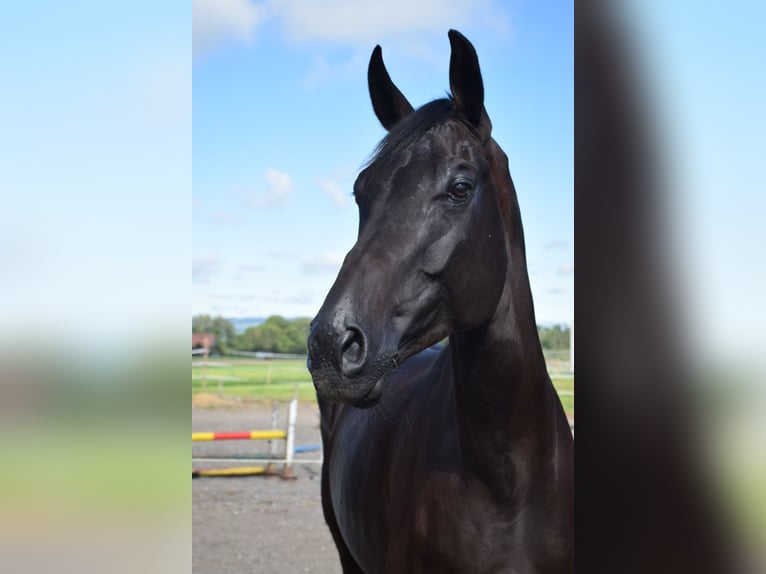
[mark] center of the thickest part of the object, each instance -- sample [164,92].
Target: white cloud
[333,189]
[357,21]
[251,268]
[279,185]
[324,263]
[227,218]
[556,244]
[216,22]
[204,267]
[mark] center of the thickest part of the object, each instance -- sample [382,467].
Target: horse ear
[389,103]
[465,82]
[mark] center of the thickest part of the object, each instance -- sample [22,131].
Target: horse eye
[460,191]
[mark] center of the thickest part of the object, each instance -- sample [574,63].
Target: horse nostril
[351,347]
[353,351]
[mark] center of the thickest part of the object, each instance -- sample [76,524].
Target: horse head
[431,255]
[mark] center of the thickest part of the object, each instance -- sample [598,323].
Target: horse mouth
[373,396]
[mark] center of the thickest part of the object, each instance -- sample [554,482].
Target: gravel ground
[258,524]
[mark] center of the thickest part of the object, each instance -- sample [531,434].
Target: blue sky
[282,123]
[95,156]
[106,197]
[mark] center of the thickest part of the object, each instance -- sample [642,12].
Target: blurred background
[95,241]
[110,187]
[669,300]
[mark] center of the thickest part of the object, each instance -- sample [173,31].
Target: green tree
[244,341]
[223,329]
[271,335]
[275,335]
[298,332]
[554,338]
[202,324]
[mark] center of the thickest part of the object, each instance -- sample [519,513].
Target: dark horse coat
[439,459]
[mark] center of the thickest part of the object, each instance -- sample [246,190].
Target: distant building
[203,341]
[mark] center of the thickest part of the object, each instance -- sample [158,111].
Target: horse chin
[375,393]
[363,391]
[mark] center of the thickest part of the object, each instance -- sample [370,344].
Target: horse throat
[503,394]
[506,351]
[500,365]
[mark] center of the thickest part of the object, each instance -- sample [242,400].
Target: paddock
[255,523]
[281,443]
[258,523]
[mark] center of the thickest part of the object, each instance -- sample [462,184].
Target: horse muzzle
[343,367]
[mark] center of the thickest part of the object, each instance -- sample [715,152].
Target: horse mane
[411,128]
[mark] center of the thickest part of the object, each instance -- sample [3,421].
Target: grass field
[261,380]
[278,379]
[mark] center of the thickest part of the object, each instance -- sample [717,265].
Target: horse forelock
[413,127]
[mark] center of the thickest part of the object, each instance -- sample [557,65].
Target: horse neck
[503,392]
[501,364]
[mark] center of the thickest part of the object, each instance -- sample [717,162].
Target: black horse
[439,459]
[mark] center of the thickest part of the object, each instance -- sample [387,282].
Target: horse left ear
[466,84]
[389,103]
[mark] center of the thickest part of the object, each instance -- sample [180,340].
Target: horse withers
[454,458]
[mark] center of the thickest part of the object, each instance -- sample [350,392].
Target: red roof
[200,340]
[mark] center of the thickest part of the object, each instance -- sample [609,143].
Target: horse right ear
[389,103]
[466,84]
